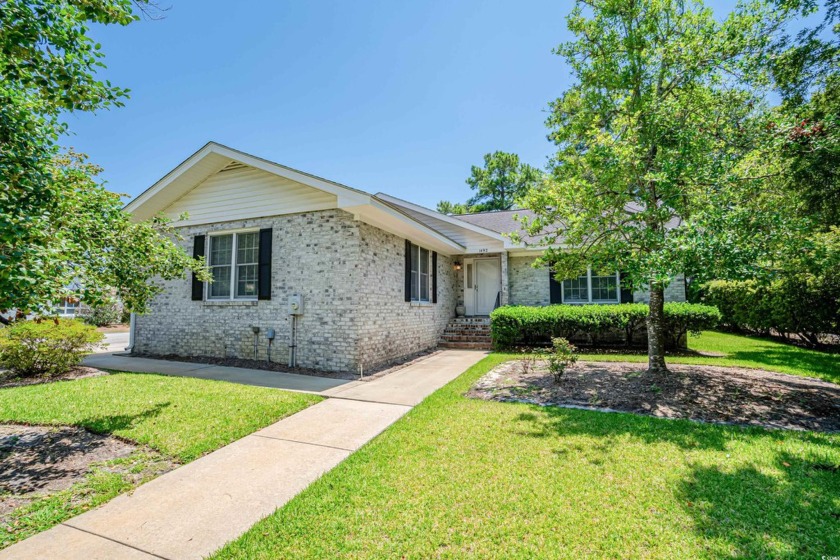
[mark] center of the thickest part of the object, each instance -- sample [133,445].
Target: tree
[806,74]
[56,222]
[653,175]
[447,207]
[498,185]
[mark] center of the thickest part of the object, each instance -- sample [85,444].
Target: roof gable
[240,191]
[218,184]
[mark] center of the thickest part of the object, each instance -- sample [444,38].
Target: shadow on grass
[785,507]
[756,514]
[774,355]
[110,424]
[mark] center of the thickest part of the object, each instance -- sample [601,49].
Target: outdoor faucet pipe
[256,340]
[292,344]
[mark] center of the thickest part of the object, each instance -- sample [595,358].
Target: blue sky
[400,97]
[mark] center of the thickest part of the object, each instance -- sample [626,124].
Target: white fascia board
[225,154]
[288,173]
[386,217]
[437,215]
[170,177]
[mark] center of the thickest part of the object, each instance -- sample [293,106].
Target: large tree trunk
[656,330]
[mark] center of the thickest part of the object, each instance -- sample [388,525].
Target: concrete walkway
[113,342]
[258,377]
[195,509]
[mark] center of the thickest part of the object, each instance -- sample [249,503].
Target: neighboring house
[379,278]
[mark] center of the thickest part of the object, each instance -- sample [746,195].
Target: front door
[482,286]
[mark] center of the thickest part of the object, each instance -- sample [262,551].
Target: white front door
[482,285]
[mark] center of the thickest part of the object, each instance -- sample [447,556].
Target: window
[592,288]
[68,307]
[421,284]
[576,290]
[234,262]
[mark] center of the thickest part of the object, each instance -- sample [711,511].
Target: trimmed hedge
[803,305]
[595,324]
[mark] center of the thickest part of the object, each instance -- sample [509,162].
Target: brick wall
[351,277]
[528,285]
[390,327]
[674,292]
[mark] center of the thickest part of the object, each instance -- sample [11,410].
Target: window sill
[421,304]
[230,303]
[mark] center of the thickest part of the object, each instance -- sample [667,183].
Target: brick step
[470,321]
[466,345]
[466,338]
[450,330]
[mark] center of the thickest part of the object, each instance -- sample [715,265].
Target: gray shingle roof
[502,221]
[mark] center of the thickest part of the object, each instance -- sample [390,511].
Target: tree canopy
[498,185]
[57,223]
[656,173]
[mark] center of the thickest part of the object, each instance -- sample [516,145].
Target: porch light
[457,265]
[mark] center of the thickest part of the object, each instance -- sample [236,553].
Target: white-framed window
[592,288]
[421,279]
[67,307]
[233,259]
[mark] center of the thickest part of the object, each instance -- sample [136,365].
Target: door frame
[471,276]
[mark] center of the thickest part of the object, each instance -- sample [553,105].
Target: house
[373,278]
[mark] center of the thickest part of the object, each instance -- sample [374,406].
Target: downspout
[132,325]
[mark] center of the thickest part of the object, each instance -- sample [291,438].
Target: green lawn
[747,351]
[179,418]
[465,478]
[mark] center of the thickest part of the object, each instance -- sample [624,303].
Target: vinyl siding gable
[241,192]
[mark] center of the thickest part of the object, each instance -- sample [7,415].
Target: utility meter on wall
[296,304]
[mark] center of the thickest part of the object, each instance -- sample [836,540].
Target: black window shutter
[434,276]
[264,269]
[626,291]
[197,285]
[407,270]
[555,289]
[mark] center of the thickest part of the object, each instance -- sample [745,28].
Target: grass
[457,477]
[749,352]
[179,418]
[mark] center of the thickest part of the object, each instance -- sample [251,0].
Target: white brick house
[379,278]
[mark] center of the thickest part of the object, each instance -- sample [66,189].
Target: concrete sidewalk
[195,509]
[258,377]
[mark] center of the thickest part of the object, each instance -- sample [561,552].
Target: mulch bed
[706,393]
[39,460]
[80,372]
[284,368]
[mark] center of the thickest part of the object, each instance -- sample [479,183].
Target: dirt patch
[6,379]
[706,393]
[374,373]
[117,328]
[40,460]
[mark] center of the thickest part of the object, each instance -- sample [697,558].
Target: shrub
[594,324]
[803,305]
[683,318]
[562,355]
[45,347]
[102,315]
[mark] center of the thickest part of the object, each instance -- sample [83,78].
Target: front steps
[468,333]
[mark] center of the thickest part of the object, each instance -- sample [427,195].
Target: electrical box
[296,304]
[269,334]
